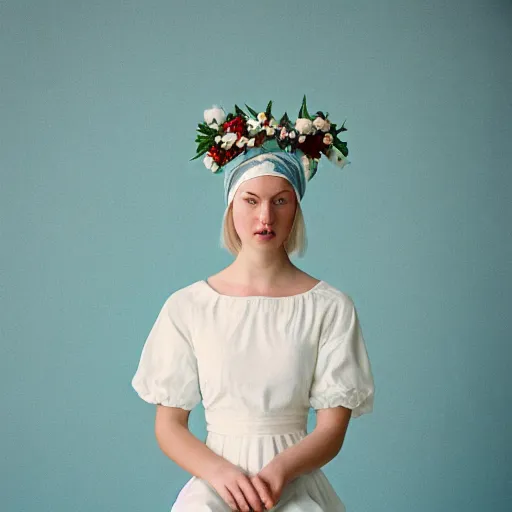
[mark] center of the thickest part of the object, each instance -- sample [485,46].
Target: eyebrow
[253,194]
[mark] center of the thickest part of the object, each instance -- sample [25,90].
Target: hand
[274,477]
[240,491]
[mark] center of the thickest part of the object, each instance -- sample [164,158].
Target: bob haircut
[296,241]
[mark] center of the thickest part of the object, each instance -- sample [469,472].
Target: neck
[265,268]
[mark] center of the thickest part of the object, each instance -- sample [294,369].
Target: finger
[228,498]
[238,495]
[264,491]
[251,494]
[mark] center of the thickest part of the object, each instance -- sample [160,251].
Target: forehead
[266,184]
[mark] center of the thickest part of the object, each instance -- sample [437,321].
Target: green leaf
[268,111]
[285,120]
[342,146]
[253,112]
[342,129]
[204,128]
[197,156]
[239,111]
[206,142]
[304,110]
[203,148]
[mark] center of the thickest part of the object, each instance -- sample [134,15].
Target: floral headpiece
[223,137]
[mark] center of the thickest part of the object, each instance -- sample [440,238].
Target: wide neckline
[267,297]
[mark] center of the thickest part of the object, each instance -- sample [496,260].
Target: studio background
[104,215]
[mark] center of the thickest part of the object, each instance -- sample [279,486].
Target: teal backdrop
[104,215]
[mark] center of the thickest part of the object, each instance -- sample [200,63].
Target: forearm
[310,453]
[188,452]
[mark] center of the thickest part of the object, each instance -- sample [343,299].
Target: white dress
[258,364]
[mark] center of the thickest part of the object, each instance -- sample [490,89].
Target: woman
[261,341]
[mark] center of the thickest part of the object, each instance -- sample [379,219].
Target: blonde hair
[296,241]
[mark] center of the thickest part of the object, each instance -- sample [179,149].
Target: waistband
[229,423]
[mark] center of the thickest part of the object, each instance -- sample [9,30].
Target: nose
[266,213]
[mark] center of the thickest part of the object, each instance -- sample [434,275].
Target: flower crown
[223,137]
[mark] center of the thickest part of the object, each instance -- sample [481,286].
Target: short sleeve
[343,373]
[167,370]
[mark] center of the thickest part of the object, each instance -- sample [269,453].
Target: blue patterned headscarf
[264,161]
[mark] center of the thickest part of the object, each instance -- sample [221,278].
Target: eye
[282,199]
[249,199]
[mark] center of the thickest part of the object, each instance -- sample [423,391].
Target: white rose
[218,139]
[261,117]
[228,139]
[303,125]
[337,157]
[328,138]
[242,141]
[322,124]
[214,114]
[302,138]
[215,167]
[270,130]
[207,161]
[291,135]
[253,126]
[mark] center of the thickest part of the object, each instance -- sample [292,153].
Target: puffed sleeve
[343,374]
[167,370]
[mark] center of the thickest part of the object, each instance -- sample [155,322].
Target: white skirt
[251,445]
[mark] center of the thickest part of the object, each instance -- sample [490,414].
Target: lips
[265,232]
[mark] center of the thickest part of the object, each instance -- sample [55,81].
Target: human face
[265,202]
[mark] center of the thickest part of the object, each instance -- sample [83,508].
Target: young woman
[259,343]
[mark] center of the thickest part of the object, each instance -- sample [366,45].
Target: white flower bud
[253,126]
[228,140]
[303,125]
[302,138]
[328,138]
[322,124]
[214,114]
[242,141]
[208,161]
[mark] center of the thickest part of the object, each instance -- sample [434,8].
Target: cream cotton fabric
[257,364]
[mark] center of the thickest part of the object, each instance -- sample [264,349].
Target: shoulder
[339,311]
[334,297]
[183,298]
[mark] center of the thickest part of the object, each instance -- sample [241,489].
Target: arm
[179,444]
[317,448]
